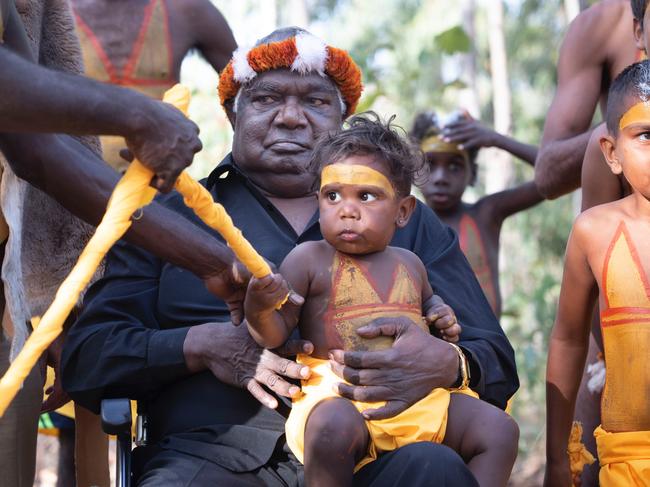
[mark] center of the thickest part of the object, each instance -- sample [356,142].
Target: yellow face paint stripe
[356,174]
[434,143]
[639,113]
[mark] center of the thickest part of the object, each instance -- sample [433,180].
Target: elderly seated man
[152,332]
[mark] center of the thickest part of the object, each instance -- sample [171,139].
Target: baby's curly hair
[367,134]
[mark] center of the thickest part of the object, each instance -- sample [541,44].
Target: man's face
[449,175]
[279,117]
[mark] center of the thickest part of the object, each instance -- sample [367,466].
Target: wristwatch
[462,382]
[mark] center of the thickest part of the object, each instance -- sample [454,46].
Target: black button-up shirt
[129,339]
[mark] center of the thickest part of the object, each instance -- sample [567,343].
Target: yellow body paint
[356,174]
[639,113]
[434,143]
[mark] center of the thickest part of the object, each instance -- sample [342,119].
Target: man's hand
[442,318]
[234,358]
[416,364]
[56,396]
[165,142]
[230,285]
[470,134]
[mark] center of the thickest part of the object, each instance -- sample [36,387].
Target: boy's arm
[271,327]
[568,350]
[503,204]
[472,134]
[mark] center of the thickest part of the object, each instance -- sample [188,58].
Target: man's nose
[291,114]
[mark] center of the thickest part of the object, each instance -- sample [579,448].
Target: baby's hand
[442,318]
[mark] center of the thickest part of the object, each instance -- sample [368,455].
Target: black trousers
[417,465]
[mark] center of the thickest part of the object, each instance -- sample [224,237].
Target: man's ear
[639,38]
[406,208]
[608,147]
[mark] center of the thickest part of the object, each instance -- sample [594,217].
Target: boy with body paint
[607,260]
[349,279]
[450,150]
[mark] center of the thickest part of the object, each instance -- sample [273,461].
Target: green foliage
[453,40]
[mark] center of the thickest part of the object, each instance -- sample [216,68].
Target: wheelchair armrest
[116,417]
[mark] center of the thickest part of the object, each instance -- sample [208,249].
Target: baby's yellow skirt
[624,458]
[426,420]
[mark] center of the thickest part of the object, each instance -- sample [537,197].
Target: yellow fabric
[434,143]
[625,323]
[579,456]
[132,192]
[639,113]
[355,174]
[426,420]
[624,458]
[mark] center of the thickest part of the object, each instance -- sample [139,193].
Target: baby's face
[359,208]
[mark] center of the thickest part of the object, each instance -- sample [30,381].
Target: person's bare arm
[472,134]
[499,206]
[271,327]
[73,175]
[566,131]
[568,350]
[599,184]
[213,36]
[37,99]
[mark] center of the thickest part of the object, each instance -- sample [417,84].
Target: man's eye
[318,102]
[333,196]
[264,99]
[368,197]
[645,136]
[454,167]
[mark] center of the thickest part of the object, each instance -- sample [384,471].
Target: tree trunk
[572,9]
[469,97]
[499,173]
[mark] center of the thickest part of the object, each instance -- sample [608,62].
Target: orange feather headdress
[302,53]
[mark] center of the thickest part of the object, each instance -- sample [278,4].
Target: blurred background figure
[141,44]
[451,147]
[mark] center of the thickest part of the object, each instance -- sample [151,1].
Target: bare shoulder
[410,259]
[308,253]
[591,224]
[590,33]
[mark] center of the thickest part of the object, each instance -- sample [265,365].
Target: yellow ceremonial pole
[131,193]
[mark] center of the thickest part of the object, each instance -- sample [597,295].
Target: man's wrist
[463,375]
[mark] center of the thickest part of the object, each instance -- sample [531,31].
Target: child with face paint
[349,279]
[607,261]
[451,149]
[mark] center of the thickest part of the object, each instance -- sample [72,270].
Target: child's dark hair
[425,124]
[638,9]
[367,134]
[633,82]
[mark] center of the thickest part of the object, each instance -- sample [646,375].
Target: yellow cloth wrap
[356,174]
[624,458]
[639,113]
[579,456]
[426,420]
[434,143]
[131,193]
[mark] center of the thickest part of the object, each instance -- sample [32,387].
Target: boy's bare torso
[618,256]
